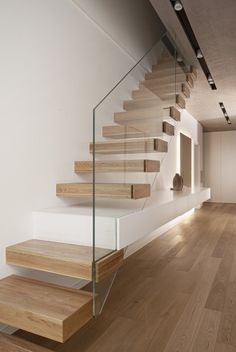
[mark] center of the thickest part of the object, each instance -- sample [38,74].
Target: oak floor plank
[206,335]
[220,347]
[227,329]
[183,335]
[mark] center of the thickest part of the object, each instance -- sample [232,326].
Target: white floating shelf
[116,227]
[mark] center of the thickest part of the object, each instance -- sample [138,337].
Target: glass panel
[133,126]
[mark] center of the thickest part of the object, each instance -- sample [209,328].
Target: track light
[210,79]
[225,113]
[178,6]
[186,25]
[199,54]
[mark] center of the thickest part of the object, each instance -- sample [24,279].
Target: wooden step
[151,145]
[122,132]
[168,77]
[145,114]
[64,259]
[118,165]
[168,81]
[168,128]
[162,72]
[141,103]
[166,90]
[44,309]
[193,72]
[169,64]
[10,343]
[104,190]
[140,130]
[179,100]
[190,80]
[143,94]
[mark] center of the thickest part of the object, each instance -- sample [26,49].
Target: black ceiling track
[183,18]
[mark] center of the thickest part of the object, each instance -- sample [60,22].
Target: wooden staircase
[57,312]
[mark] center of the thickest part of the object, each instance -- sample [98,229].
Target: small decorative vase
[178,183]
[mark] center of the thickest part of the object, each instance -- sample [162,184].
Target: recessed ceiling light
[178,6]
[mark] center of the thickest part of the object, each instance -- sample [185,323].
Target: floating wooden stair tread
[168,77]
[118,165]
[145,114]
[10,343]
[145,96]
[178,98]
[161,82]
[135,104]
[131,146]
[166,90]
[137,130]
[44,309]
[165,71]
[64,259]
[104,190]
[168,128]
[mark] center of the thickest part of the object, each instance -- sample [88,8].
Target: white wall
[220,165]
[55,65]
[132,24]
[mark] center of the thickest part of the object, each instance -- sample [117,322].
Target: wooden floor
[177,294]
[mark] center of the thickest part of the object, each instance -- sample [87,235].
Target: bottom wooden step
[105,190]
[44,309]
[9,343]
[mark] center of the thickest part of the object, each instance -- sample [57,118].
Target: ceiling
[213,22]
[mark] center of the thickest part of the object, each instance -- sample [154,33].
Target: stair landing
[44,309]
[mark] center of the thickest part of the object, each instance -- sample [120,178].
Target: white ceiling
[214,24]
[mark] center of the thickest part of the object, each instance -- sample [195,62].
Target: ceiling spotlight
[178,6]
[225,113]
[210,79]
[199,54]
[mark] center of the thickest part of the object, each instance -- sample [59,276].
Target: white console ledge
[116,226]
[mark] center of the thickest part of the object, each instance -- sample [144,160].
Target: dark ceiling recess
[182,16]
[225,113]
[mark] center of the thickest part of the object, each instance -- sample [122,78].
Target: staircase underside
[44,309]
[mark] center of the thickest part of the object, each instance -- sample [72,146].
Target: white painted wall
[55,65]
[132,24]
[220,166]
